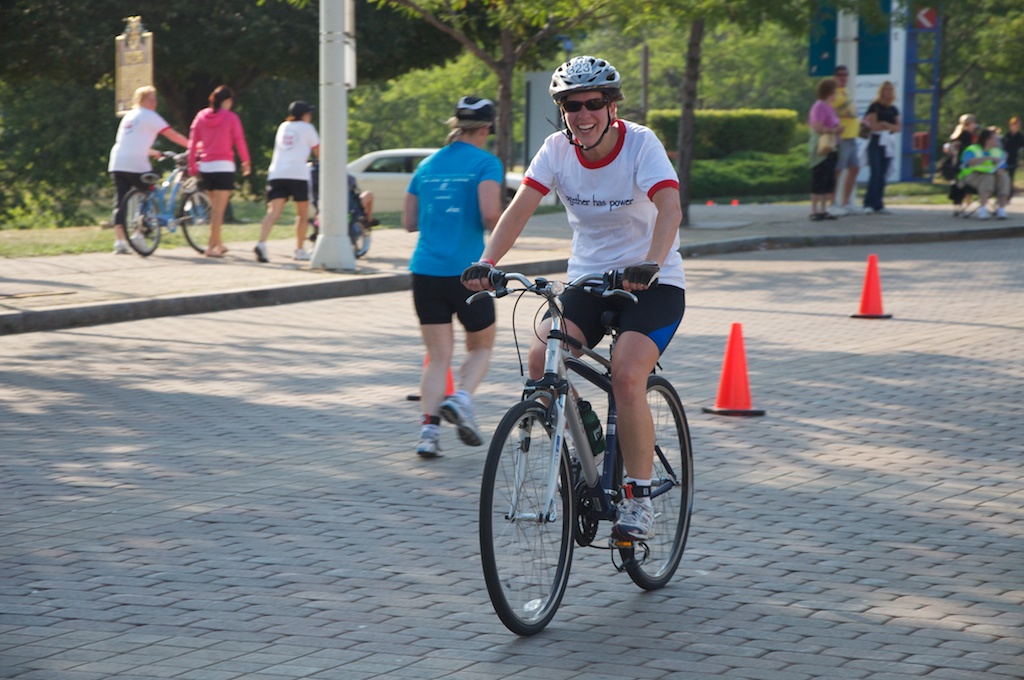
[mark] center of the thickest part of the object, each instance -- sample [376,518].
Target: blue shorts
[847,154]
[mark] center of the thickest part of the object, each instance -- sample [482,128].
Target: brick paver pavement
[234,495]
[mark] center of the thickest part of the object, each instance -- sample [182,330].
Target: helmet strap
[581,147]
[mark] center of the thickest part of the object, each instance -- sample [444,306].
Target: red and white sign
[927,17]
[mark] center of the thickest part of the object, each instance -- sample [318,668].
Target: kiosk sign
[133,51]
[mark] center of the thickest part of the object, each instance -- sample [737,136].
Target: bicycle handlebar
[601,284]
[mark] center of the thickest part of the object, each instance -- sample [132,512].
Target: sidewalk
[48,293]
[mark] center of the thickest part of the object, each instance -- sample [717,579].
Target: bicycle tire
[654,567]
[141,221]
[359,234]
[526,563]
[195,221]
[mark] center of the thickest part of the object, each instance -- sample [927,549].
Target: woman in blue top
[454,196]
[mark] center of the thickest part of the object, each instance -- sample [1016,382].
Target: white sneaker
[301,255]
[635,520]
[121,248]
[837,211]
[982,213]
[430,443]
[138,239]
[460,415]
[261,252]
[1001,214]
[852,209]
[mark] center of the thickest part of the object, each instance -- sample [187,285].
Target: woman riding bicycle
[622,201]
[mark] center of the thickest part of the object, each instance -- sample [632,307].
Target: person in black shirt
[1013,141]
[884,119]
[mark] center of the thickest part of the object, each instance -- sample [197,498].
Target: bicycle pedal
[617,543]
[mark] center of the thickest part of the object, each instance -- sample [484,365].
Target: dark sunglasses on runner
[573,106]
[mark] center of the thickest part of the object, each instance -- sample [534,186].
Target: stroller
[358,225]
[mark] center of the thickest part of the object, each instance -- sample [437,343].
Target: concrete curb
[58,318]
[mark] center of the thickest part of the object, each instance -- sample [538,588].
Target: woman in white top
[621,195]
[133,145]
[289,176]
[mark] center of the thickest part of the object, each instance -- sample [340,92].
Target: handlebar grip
[497,278]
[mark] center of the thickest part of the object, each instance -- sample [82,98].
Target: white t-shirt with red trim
[608,203]
[136,133]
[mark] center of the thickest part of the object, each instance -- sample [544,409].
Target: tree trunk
[688,96]
[503,125]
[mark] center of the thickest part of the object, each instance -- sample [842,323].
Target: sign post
[133,64]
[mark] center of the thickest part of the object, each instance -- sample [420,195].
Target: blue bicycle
[174,202]
[552,475]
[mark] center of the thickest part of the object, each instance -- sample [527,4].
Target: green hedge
[721,133]
[752,173]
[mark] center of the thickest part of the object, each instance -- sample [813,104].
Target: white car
[387,174]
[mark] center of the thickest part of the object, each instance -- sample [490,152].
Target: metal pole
[333,248]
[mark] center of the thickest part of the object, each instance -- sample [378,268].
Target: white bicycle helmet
[582,74]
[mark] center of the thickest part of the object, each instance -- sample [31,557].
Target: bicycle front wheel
[672,491]
[195,223]
[525,547]
[141,221]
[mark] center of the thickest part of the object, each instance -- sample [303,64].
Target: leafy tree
[696,18]
[981,54]
[504,35]
[57,75]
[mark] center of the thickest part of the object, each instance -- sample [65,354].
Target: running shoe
[635,520]
[430,444]
[461,416]
[261,252]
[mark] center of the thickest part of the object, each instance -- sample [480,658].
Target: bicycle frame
[559,360]
[543,491]
[166,197]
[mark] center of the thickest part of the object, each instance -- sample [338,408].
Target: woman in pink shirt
[216,134]
[823,120]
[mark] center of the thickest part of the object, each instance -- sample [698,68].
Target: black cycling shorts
[438,298]
[297,189]
[657,313]
[217,181]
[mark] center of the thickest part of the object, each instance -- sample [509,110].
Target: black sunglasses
[574,106]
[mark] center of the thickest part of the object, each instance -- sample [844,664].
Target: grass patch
[99,239]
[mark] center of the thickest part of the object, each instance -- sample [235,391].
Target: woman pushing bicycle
[621,195]
[129,157]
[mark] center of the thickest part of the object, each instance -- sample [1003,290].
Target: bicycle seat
[149,178]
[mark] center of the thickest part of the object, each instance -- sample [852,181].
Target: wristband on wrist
[488,261]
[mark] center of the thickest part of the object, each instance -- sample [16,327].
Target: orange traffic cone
[733,389]
[871,298]
[449,388]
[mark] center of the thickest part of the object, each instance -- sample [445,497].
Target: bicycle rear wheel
[673,476]
[141,221]
[195,223]
[526,555]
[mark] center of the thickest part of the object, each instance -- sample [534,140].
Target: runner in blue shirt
[454,196]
